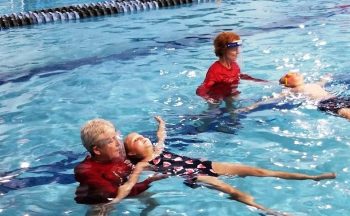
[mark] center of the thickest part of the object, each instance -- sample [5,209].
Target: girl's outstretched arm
[161,135]
[125,189]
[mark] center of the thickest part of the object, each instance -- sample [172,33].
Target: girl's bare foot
[325,176]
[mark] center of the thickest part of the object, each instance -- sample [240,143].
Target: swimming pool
[130,67]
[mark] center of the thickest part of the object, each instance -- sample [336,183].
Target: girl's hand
[157,177]
[159,120]
[161,134]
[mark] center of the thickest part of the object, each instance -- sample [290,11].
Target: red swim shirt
[100,181]
[221,82]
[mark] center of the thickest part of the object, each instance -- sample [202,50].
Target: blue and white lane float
[81,11]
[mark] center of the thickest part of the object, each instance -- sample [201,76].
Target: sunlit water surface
[128,68]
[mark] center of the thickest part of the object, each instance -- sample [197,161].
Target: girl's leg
[243,171]
[344,112]
[226,188]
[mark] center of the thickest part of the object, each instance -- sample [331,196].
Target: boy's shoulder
[312,86]
[214,65]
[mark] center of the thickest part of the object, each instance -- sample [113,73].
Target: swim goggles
[234,44]
[288,75]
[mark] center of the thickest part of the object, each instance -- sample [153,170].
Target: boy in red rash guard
[105,175]
[223,76]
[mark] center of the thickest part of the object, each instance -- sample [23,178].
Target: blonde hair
[92,130]
[127,142]
[285,79]
[221,41]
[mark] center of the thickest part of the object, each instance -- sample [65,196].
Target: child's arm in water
[262,102]
[161,135]
[248,77]
[124,190]
[324,79]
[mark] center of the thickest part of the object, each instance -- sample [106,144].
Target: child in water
[222,79]
[315,91]
[140,149]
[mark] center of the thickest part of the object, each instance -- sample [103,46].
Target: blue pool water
[128,68]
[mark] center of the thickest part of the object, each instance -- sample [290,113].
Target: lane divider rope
[81,11]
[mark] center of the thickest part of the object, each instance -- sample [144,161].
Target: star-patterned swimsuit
[173,164]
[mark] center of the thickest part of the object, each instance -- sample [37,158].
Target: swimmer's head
[137,146]
[102,140]
[226,41]
[91,131]
[292,79]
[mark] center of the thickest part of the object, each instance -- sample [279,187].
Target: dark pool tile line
[47,70]
[48,173]
[54,69]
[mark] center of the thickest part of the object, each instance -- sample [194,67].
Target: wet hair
[127,140]
[221,41]
[92,130]
[134,158]
[284,79]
